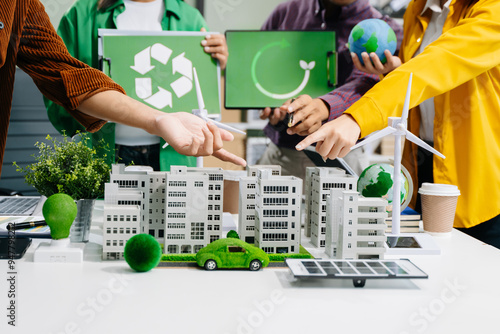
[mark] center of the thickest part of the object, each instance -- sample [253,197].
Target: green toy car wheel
[210,265]
[255,265]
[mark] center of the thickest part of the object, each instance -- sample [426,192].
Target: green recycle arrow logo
[303,64]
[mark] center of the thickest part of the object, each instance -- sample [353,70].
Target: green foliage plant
[67,166]
[232,234]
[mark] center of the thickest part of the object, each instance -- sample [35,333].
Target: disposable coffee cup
[439,203]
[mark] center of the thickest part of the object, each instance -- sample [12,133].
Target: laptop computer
[21,205]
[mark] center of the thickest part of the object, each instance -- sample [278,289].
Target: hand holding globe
[372,44]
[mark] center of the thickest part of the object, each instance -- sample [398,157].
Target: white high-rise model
[397,128]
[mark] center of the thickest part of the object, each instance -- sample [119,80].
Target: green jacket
[78,29]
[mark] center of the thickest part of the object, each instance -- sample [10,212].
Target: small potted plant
[69,166]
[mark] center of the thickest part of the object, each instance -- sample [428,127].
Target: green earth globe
[372,35]
[377,181]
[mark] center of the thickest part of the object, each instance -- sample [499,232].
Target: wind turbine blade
[414,139]
[374,136]
[406,106]
[201,103]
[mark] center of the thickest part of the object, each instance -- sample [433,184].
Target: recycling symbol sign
[161,97]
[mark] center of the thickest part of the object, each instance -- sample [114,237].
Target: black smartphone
[13,248]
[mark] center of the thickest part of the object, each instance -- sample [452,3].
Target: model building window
[275,213]
[251,206]
[176,204]
[217,187]
[275,189]
[268,250]
[176,215]
[348,245]
[275,225]
[275,201]
[176,225]
[176,194]
[108,218]
[213,238]
[134,218]
[275,172]
[349,234]
[216,227]
[350,210]
[274,237]
[292,236]
[323,230]
[177,183]
[115,243]
[323,219]
[161,233]
[134,231]
[322,243]
[115,218]
[215,177]
[251,186]
[210,187]
[373,210]
[324,197]
[209,217]
[126,183]
[185,249]
[216,207]
[127,218]
[108,242]
[210,207]
[175,236]
[216,217]
[350,222]
[108,230]
[216,197]
[172,249]
[197,231]
[198,183]
[251,196]
[250,228]
[209,227]
[250,217]
[115,230]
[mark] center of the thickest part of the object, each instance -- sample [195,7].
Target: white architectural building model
[194,208]
[182,209]
[121,222]
[319,182]
[357,224]
[277,208]
[246,205]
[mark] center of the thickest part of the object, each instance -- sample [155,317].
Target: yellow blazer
[461,69]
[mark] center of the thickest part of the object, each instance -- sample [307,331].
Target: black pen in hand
[19,226]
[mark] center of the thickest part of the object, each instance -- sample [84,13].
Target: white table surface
[461,296]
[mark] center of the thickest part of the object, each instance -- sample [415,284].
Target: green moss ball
[142,252]
[59,211]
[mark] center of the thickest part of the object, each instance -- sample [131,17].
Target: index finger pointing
[311,139]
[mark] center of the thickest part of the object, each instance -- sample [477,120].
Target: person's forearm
[116,107]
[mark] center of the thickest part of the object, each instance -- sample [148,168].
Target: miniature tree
[232,234]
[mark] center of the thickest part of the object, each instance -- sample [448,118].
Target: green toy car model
[231,253]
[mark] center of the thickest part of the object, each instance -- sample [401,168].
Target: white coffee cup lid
[438,189]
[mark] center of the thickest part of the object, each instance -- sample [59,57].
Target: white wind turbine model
[397,127]
[202,113]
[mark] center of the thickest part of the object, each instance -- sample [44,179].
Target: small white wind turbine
[202,113]
[397,127]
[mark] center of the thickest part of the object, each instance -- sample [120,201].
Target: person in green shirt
[79,30]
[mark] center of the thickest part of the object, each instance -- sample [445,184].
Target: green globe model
[372,35]
[376,181]
[59,211]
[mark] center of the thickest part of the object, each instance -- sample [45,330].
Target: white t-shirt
[138,16]
[433,31]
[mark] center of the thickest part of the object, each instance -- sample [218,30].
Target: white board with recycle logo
[156,68]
